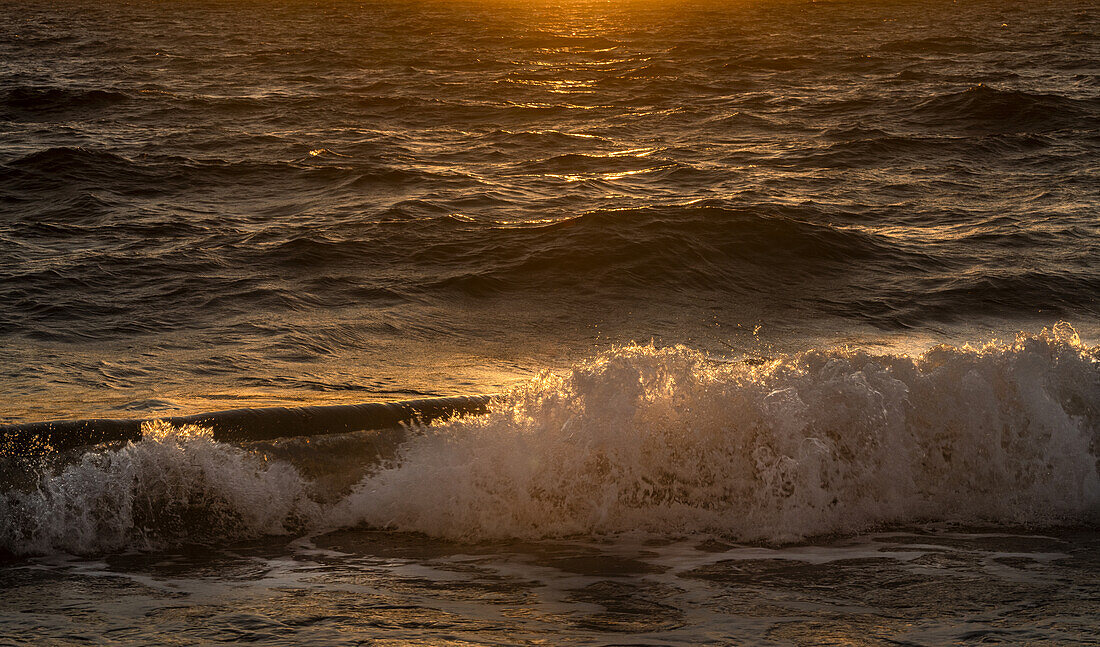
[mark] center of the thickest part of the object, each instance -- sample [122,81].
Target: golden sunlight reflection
[549,322]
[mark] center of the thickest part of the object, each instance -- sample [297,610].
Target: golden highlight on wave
[672,441]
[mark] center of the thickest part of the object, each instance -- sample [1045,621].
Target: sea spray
[670,441]
[175,485]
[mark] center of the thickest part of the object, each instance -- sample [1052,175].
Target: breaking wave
[667,441]
[671,441]
[177,485]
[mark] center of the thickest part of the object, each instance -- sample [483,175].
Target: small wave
[543,139]
[569,42]
[876,150]
[70,159]
[80,169]
[741,119]
[581,163]
[45,220]
[773,63]
[646,73]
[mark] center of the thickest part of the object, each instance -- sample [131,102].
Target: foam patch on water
[670,441]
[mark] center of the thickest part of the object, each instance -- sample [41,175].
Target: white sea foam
[177,484]
[667,441]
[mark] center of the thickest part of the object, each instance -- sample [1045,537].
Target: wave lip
[249,424]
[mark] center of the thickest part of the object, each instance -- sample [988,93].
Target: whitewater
[669,442]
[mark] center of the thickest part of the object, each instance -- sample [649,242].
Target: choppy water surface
[207,205]
[267,201]
[916,587]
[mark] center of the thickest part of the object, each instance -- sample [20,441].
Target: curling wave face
[668,441]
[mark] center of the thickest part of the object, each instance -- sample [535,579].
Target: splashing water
[668,441]
[175,485]
[671,441]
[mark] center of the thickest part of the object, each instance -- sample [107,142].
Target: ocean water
[792,310]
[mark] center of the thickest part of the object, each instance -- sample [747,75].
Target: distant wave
[982,107]
[29,101]
[937,45]
[62,160]
[701,247]
[61,170]
[665,441]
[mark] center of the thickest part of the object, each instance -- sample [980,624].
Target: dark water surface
[207,205]
[266,202]
[908,588]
